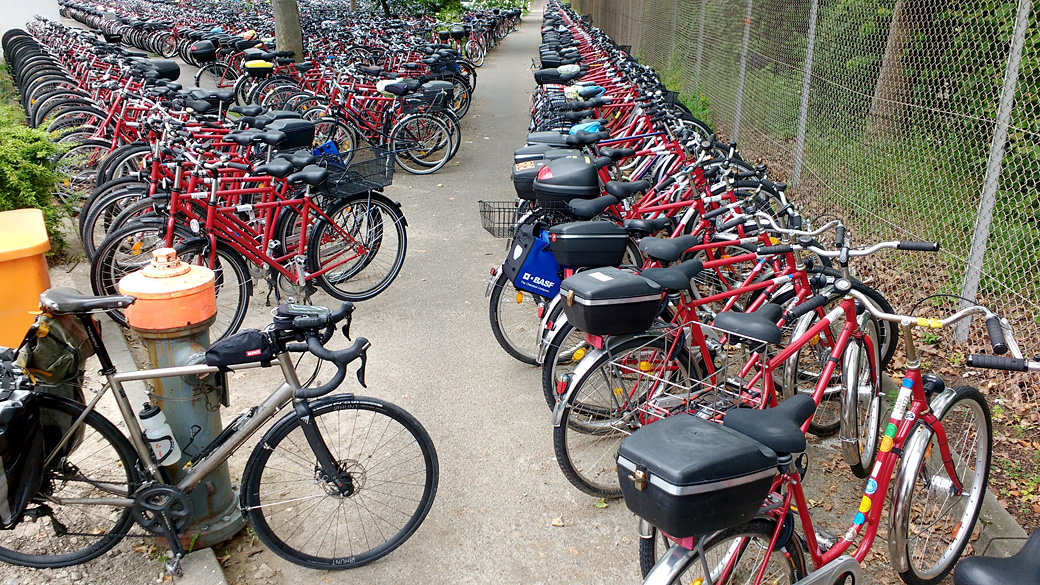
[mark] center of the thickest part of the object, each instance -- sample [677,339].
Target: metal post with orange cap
[176,304]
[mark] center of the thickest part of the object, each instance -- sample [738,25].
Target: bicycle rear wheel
[514,320]
[421,144]
[101,464]
[931,525]
[740,549]
[232,281]
[390,459]
[861,399]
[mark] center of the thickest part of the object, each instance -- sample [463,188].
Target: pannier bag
[691,477]
[245,347]
[21,444]
[54,353]
[530,265]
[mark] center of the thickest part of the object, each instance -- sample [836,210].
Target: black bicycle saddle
[1023,567]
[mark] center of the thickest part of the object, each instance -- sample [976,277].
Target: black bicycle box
[438,93]
[203,51]
[523,177]
[691,477]
[542,152]
[245,347]
[588,244]
[610,301]
[553,138]
[567,178]
[299,133]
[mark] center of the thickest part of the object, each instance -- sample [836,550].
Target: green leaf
[602,503]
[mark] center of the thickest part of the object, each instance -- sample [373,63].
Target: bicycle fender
[550,335]
[903,482]
[835,572]
[496,275]
[583,369]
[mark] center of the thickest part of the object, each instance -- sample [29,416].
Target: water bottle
[159,435]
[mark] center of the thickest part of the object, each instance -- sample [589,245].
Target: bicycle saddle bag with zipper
[245,347]
[21,443]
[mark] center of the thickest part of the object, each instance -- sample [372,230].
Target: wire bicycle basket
[498,217]
[365,168]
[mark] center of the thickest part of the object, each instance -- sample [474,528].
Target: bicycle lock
[176,304]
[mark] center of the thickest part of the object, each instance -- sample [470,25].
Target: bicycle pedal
[173,566]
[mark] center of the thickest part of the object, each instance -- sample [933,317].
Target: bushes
[27,176]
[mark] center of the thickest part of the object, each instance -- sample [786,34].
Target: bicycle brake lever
[346,329]
[361,370]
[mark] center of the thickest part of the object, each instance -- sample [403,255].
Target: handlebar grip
[771,250]
[239,166]
[996,335]
[666,183]
[309,322]
[803,308]
[839,235]
[714,213]
[918,246]
[993,362]
[732,224]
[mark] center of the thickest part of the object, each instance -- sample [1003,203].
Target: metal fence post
[700,47]
[743,71]
[671,48]
[973,272]
[803,111]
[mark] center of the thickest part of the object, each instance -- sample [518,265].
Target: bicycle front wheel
[861,399]
[931,521]
[734,555]
[361,250]
[421,144]
[97,463]
[390,460]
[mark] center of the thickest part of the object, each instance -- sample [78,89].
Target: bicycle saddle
[756,328]
[667,250]
[299,159]
[69,300]
[617,153]
[642,228]
[272,138]
[1023,567]
[312,175]
[625,190]
[586,138]
[590,208]
[201,107]
[247,110]
[241,138]
[674,278]
[778,428]
[279,168]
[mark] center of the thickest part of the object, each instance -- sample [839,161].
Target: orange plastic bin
[23,271]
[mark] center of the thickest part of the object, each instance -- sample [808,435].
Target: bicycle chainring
[160,507]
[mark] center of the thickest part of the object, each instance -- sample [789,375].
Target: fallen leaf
[558,522]
[602,503]
[828,507]
[574,551]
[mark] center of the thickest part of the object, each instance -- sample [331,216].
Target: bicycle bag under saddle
[245,347]
[531,265]
[21,442]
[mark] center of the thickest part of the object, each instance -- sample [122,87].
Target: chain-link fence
[908,119]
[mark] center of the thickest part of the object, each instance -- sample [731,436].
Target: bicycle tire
[516,329]
[923,475]
[861,400]
[421,143]
[78,472]
[100,218]
[371,230]
[791,559]
[78,165]
[125,251]
[602,408]
[232,281]
[402,440]
[124,161]
[217,75]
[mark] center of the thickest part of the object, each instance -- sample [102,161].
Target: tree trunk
[386,8]
[892,91]
[287,31]
[353,5]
